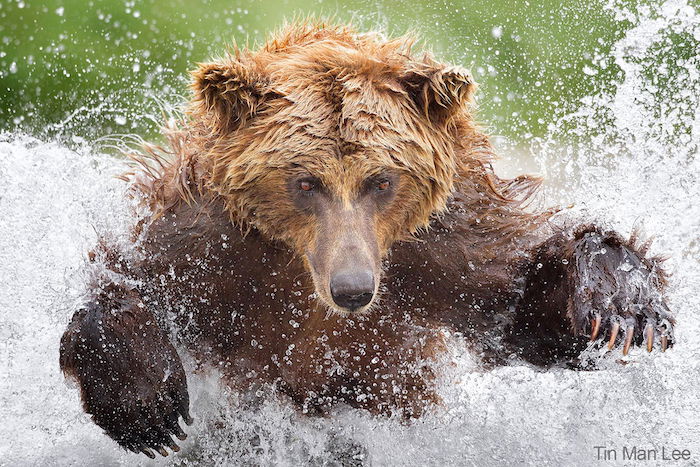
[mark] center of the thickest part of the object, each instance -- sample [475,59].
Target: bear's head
[336,143]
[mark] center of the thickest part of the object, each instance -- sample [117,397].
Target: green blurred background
[80,68]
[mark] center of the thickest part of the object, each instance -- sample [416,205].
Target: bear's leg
[590,285]
[131,378]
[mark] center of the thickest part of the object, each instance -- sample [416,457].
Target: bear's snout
[352,289]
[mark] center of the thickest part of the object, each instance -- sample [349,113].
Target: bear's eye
[308,186]
[383,185]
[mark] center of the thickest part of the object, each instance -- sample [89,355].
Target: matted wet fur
[323,213]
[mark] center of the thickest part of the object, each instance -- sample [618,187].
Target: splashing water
[626,156]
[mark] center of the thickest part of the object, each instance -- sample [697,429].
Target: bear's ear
[229,92]
[438,91]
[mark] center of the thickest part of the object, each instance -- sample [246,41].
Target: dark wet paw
[618,294]
[131,378]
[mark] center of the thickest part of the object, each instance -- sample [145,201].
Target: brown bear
[324,211]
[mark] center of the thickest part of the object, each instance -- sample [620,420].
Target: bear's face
[333,152]
[352,210]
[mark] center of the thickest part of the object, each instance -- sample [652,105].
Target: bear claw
[650,337]
[631,328]
[186,417]
[595,327]
[613,335]
[629,334]
[157,439]
[179,434]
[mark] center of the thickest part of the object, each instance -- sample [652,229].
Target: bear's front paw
[617,289]
[131,378]
[141,392]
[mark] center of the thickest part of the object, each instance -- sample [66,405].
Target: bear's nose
[352,289]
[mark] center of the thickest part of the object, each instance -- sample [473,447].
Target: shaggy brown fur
[324,211]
